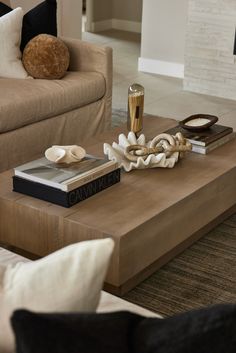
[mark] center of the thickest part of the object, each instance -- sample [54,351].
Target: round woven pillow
[46,56]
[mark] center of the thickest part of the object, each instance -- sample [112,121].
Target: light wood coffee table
[151,214]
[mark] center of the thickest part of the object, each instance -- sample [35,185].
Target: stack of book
[206,141]
[65,185]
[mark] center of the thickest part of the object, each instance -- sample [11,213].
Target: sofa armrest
[85,56]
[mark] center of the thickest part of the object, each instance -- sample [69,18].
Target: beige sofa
[35,114]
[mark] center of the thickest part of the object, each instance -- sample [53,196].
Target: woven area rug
[202,275]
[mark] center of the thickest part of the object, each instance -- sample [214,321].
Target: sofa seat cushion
[26,101]
[10,258]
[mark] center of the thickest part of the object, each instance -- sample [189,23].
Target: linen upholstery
[25,102]
[68,127]
[100,60]
[108,302]
[73,127]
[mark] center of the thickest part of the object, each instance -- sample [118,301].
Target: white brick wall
[210,66]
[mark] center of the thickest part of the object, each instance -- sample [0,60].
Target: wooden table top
[141,194]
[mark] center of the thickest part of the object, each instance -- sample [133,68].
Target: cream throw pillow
[68,280]
[10,36]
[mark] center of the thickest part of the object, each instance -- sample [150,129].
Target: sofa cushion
[41,19]
[24,102]
[69,279]
[74,333]
[10,258]
[107,303]
[4,9]
[10,30]
[207,330]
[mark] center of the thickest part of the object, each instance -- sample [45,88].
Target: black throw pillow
[73,333]
[4,9]
[209,330]
[41,19]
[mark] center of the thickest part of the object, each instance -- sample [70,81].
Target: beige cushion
[10,36]
[107,303]
[110,303]
[10,258]
[68,280]
[24,102]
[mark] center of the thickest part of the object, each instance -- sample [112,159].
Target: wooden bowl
[198,122]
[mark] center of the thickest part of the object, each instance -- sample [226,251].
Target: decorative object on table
[65,154]
[134,153]
[135,108]
[46,57]
[62,184]
[206,141]
[198,122]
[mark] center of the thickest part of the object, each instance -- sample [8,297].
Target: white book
[212,146]
[65,177]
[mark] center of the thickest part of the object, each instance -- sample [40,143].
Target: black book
[63,198]
[202,138]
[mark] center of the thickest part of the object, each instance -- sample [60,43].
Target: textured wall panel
[210,66]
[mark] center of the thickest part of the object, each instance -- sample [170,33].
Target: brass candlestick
[135,108]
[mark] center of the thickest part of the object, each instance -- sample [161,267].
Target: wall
[102,10]
[130,10]
[118,14]
[210,64]
[163,37]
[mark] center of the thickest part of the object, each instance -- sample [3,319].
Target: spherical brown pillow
[46,56]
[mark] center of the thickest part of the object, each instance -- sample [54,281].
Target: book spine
[214,145]
[62,198]
[93,187]
[99,173]
[211,139]
[198,149]
[219,143]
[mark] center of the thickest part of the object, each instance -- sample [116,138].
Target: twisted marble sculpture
[134,153]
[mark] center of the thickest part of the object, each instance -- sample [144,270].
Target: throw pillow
[68,280]
[10,30]
[209,330]
[41,19]
[4,9]
[46,56]
[74,333]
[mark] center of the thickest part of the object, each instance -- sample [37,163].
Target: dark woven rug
[202,275]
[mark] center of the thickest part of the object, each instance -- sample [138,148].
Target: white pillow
[68,280]
[10,36]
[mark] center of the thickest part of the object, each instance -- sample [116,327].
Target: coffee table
[152,215]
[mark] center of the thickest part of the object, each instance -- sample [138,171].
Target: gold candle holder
[135,108]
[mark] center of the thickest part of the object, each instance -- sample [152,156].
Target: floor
[164,96]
